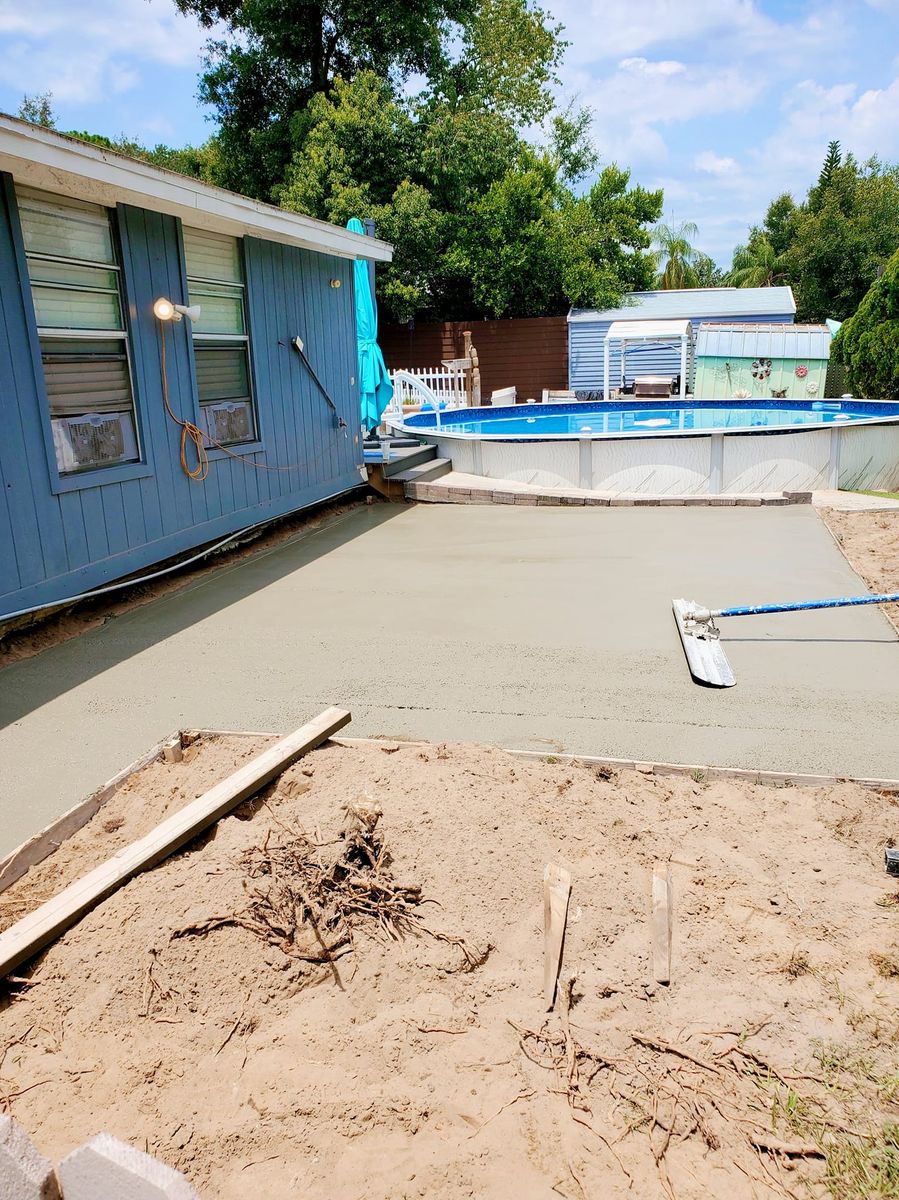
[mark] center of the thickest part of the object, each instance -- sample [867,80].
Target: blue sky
[724,103]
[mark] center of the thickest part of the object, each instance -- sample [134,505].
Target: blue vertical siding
[56,542]
[586,351]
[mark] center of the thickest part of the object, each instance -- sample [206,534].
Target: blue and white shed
[128,439]
[588,328]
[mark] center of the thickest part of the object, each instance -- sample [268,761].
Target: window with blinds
[76,288]
[220,340]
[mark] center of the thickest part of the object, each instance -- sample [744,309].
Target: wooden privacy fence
[529,354]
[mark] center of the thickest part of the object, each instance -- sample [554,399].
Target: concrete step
[408,458]
[403,442]
[432,469]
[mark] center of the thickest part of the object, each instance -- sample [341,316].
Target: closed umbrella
[375,388]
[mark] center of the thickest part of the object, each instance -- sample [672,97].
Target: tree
[757,265]
[38,109]
[828,175]
[868,343]
[829,247]
[483,223]
[676,255]
[275,56]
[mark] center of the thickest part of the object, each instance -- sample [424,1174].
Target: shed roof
[648,331]
[748,340]
[56,162]
[694,303]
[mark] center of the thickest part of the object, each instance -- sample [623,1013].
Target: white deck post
[683,366]
[605,373]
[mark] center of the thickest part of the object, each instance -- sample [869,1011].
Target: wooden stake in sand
[556,890]
[24,939]
[661,922]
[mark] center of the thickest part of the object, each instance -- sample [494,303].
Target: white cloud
[642,66]
[863,121]
[715,164]
[89,50]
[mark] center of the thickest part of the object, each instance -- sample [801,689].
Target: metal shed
[587,328]
[761,360]
[639,334]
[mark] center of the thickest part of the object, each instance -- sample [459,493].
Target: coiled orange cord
[189,431]
[192,433]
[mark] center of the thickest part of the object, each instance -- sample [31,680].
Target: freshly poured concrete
[541,628]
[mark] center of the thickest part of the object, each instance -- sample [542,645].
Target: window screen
[221,344]
[76,288]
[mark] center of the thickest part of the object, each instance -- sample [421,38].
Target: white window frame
[199,339]
[52,333]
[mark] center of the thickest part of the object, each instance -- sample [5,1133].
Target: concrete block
[573,500]
[505,497]
[749,501]
[669,500]
[24,1173]
[601,501]
[526,499]
[621,502]
[645,502]
[554,500]
[107,1169]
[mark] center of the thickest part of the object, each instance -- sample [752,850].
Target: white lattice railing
[413,385]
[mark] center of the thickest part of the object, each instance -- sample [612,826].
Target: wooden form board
[556,892]
[35,849]
[661,923]
[36,930]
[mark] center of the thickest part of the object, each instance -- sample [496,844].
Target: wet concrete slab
[538,628]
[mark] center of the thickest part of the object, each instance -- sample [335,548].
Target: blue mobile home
[587,328]
[105,406]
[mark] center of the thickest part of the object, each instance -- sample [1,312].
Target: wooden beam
[661,922]
[556,891]
[42,844]
[36,930]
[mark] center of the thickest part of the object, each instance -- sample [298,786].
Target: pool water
[647,417]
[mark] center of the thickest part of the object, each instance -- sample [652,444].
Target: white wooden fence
[412,385]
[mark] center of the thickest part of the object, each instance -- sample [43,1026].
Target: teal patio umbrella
[375,388]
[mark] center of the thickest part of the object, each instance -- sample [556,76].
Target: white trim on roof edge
[55,162]
[697,304]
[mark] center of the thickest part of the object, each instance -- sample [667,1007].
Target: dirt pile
[870,540]
[184,1014]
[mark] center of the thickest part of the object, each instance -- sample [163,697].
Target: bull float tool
[701,638]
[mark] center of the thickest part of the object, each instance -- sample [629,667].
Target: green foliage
[275,56]
[38,109]
[868,343]
[830,246]
[483,223]
[680,264]
[757,264]
[201,162]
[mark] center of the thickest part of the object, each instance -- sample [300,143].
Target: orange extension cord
[192,433]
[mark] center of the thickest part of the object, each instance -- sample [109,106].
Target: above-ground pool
[665,447]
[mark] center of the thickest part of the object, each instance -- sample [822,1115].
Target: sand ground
[768,1067]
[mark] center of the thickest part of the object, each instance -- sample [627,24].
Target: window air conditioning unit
[229,421]
[94,440]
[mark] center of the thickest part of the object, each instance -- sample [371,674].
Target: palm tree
[680,257]
[757,265]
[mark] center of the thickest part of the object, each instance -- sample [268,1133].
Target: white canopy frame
[635,332]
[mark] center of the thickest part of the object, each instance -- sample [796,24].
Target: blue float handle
[805,605]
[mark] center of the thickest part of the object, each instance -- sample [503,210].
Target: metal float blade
[702,646]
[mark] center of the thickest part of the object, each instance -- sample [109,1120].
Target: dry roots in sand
[729,1097]
[307,897]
